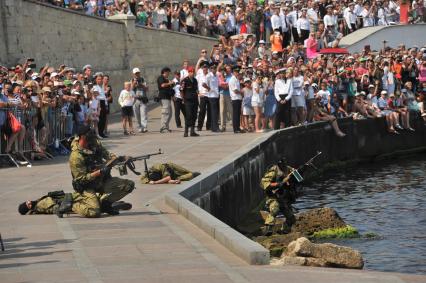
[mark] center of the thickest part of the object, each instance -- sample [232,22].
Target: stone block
[334,255]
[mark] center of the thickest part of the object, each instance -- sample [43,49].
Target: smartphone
[32,66]
[30,59]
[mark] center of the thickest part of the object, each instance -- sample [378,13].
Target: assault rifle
[122,163]
[296,173]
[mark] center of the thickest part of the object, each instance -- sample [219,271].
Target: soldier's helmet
[282,163]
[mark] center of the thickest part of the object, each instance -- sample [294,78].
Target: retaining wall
[222,197]
[60,36]
[409,35]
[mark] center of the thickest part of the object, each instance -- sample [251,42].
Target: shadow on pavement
[12,265]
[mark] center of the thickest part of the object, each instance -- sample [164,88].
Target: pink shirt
[422,74]
[311,48]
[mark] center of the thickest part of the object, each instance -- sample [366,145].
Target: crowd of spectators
[263,89]
[257,17]
[42,106]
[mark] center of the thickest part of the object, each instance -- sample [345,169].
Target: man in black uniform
[190,99]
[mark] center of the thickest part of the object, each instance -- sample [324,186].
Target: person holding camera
[140,107]
[165,94]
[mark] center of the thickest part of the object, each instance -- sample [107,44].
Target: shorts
[248,111]
[127,111]
[298,101]
[257,104]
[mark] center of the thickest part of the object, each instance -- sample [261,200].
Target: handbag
[15,125]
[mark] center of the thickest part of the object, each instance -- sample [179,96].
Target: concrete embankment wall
[235,194]
[410,35]
[60,36]
[224,195]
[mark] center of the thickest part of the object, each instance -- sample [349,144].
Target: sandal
[132,133]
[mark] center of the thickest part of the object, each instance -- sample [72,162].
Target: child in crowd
[94,111]
[126,101]
[248,111]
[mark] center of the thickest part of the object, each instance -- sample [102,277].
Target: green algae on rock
[340,233]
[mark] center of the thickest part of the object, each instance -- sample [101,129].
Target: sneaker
[126,133]
[140,131]
[398,126]
[144,131]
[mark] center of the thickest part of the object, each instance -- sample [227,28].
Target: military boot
[268,230]
[106,207]
[185,134]
[65,206]
[121,205]
[195,174]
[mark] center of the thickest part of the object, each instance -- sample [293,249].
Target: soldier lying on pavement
[90,165]
[167,173]
[52,202]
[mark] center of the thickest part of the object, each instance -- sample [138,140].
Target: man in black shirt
[189,92]
[165,90]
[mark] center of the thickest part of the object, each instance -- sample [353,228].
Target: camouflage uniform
[85,204]
[276,202]
[175,172]
[83,162]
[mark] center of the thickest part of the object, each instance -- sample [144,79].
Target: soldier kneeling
[167,173]
[90,165]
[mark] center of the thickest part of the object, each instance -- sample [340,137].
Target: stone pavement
[150,243]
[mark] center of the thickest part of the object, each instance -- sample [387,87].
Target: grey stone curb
[248,250]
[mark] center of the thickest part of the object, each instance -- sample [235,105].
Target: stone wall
[59,36]
[232,190]
[409,35]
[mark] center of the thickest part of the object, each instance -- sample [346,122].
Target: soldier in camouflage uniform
[82,204]
[167,173]
[91,175]
[280,194]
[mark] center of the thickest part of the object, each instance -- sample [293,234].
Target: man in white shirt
[203,96]
[283,90]
[276,20]
[303,26]
[285,26]
[350,17]
[212,86]
[367,15]
[313,15]
[102,102]
[236,98]
[330,20]
[293,17]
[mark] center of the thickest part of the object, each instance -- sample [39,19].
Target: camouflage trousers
[113,189]
[277,205]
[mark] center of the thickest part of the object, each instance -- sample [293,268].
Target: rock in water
[315,220]
[333,255]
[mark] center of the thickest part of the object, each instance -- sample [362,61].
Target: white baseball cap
[136,70]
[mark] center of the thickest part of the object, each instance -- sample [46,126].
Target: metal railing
[42,134]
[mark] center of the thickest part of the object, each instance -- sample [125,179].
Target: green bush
[339,233]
